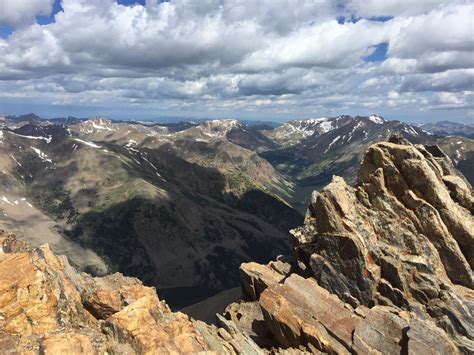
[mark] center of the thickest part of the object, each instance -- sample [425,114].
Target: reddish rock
[255,278]
[47,307]
[403,236]
[299,312]
[387,263]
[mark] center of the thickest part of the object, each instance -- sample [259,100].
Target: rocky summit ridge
[47,307]
[384,266]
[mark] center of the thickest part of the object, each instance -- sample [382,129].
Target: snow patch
[47,139]
[90,144]
[326,126]
[410,130]
[5,199]
[42,155]
[99,127]
[376,119]
[131,143]
[353,130]
[330,144]
[16,161]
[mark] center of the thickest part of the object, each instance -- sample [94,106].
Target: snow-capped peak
[226,122]
[311,121]
[376,119]
[218,128]
[97,124]
[297,130]
[309,126]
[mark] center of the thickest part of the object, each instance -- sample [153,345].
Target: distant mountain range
[180,205]
[442,128]
[447,128]
[34,118]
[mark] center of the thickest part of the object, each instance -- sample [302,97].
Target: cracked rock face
[300,314]
[47,307]
[403,236]
[385,265]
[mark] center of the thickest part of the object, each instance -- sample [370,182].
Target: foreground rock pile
[384,266]
[381,267]
[47,307]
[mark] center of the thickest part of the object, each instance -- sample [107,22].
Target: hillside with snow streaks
[135,193]
[152,201]
[294,132]
[335,146]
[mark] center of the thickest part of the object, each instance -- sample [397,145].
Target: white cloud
[374,8]
[239,55]
[450,98]
[445,29]
[23,12]
[328,44]
[451,80]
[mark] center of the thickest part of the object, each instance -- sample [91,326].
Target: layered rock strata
[382,266]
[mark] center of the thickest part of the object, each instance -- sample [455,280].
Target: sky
[411,60]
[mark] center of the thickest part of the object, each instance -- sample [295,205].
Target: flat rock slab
[299,311]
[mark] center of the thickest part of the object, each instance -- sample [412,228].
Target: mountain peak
[297,130]
[218,128]
[96,124]
[387,258]
[377,119]
[225,122]
[30,116]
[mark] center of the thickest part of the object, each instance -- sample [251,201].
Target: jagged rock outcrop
[382,266]
[298,313]
[47,307]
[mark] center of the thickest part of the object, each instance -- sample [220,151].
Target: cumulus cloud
[376,8]
[447,28]
[273,56]
[450,80]
[328,44]
[23,12]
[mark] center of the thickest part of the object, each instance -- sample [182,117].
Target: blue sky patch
[379,54]
[380,18]
[5,31]
[342,19]
[131,2]
[353,19]
[45,20]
